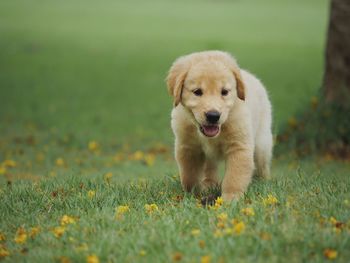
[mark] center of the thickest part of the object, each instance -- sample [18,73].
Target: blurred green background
[97,68]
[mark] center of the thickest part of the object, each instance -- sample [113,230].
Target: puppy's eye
[224,92]
[198,92]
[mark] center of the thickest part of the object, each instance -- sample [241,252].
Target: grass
[75,73]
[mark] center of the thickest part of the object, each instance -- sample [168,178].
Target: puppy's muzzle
[212,116]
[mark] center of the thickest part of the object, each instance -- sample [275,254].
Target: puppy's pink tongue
[210,130]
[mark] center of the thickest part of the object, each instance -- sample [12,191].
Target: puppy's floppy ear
[240,85]
[233,66]
[176,78]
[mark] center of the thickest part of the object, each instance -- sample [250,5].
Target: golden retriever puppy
[221,112]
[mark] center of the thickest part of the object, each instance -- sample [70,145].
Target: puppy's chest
[212,150]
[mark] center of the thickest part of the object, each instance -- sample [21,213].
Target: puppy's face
[209,93]
[207,84]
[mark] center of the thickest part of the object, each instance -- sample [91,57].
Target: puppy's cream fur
[244,137]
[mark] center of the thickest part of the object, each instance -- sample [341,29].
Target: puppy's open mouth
[209,130]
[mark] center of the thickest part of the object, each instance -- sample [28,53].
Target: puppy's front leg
[211,179]
[238,173]
[191,164]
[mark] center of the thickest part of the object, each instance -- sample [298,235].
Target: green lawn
[79,72]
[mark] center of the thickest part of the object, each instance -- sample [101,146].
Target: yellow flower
[4,252]
[40,157]
[218,233]
[2,169]
[234,221]
[149,159]
[121,210]
[270,200]
[21,236]
[151,208]
[142,252]
[2,237]
[137,156]
[238,227]
[108,176]
[314,102]
[177,256]
[220,225]
[92,259]
[199,204]
[219,201]
[9,163]
[93,146]
[66,220]
[64,259]
[60,162]
[228,231]
[337,225]
[330,253]
[265,236]
[332,220]
[91,193]
[292,122]
[195,232]
[248,211]
[118,157]
[201,243]
[222,217]
[34,231]
[58,231]
[82,247]
[205,259]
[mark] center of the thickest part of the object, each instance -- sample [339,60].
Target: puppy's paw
[209,199]
[229,197]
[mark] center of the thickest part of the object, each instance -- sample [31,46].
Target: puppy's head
[207,84]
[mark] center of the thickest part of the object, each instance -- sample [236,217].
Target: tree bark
[336,82]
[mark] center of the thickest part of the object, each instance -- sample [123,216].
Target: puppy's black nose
[212,116]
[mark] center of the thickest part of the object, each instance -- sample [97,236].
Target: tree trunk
[336,82]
